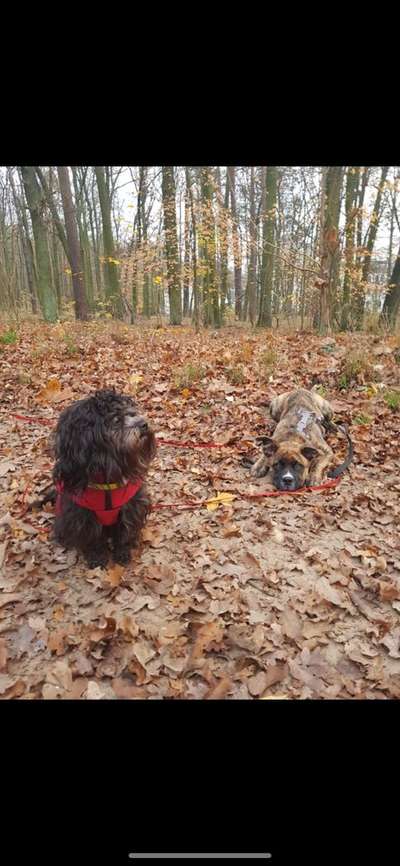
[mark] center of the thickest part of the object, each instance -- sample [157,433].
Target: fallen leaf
[3,654]
[126,690]
[114,575]
[55,642]
[95,692]
[275,674]
[257,684]
[8,598]
[210,632]
[104,630]
[328,592]
[219,499]
[51,692]
[219,690]
[290,623]
[60,675]
[5,467]
[83,665]
[275,698]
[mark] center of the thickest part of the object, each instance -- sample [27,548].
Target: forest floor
[292,597]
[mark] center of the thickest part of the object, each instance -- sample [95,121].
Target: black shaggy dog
[103,449]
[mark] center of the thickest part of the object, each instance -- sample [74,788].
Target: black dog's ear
[73,452]
[268,445]
[309,453]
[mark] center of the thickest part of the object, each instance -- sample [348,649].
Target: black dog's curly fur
[103,435]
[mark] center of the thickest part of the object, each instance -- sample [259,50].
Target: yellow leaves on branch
[219,499]
[110,260]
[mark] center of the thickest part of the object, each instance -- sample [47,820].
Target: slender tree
[211,314]
[110,270]
[171,245]
[224,247]
[268,250]
[35,201]
[369,243]
[251,275]
[237,258]
[330,247]
[350,230]
[186,235]
[391,304]
[27,247]
[71,228]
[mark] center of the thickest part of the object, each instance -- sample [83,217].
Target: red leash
[199,503]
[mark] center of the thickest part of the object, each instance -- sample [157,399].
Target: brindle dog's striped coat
[297,454]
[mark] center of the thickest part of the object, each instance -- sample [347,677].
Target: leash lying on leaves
[334,476]
[330,427]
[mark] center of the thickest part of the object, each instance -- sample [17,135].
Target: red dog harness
[106,500]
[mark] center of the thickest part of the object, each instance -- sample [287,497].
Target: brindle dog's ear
[268,445]
[309,453]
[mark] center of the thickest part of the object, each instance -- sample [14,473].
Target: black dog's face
[102,435]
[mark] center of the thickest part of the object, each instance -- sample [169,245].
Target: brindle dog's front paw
[313,481]
[260,469]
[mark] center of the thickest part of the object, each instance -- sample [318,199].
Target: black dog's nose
[142,425]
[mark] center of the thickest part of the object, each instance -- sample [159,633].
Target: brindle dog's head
[289,462]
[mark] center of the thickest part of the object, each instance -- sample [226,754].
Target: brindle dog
[297,455]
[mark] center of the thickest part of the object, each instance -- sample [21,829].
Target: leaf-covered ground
[295,597]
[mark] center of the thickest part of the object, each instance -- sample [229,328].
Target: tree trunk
[195,290]
[35,202]
[391,303]
[111,279]
[79,181]
[390,253]
[268,251]
[330,245]
[145,257]
[223,242]
[369,248]
[210,289]
[350,230]
[237,259]
[74,251]
[29,259]
[171,245]
[251,276]
[186,261]
[97,270]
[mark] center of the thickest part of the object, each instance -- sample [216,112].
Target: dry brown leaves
[268,599]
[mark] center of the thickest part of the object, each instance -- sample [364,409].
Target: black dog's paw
[122,555]
[97,559]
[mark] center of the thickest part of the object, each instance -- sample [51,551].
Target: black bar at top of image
[136,856]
